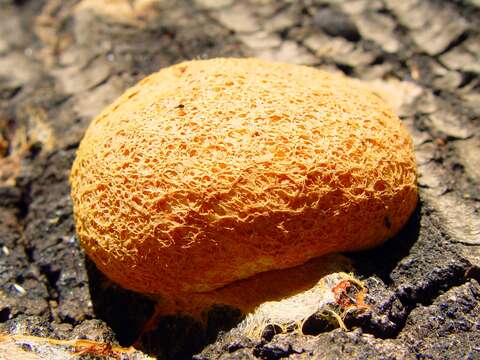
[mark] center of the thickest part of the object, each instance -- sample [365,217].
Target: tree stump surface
[62,62]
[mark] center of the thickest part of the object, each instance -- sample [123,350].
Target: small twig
[82,346]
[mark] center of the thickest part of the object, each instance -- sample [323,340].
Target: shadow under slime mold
[123,310]
[128,313]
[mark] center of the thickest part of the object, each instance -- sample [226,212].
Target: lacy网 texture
[212,171]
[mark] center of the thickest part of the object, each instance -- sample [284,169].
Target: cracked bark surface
[61,62]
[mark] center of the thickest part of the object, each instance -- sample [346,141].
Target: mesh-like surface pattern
[212,171]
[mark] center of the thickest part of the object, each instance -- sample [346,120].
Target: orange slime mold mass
[212,171]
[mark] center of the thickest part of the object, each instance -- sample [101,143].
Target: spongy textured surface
[212,171]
